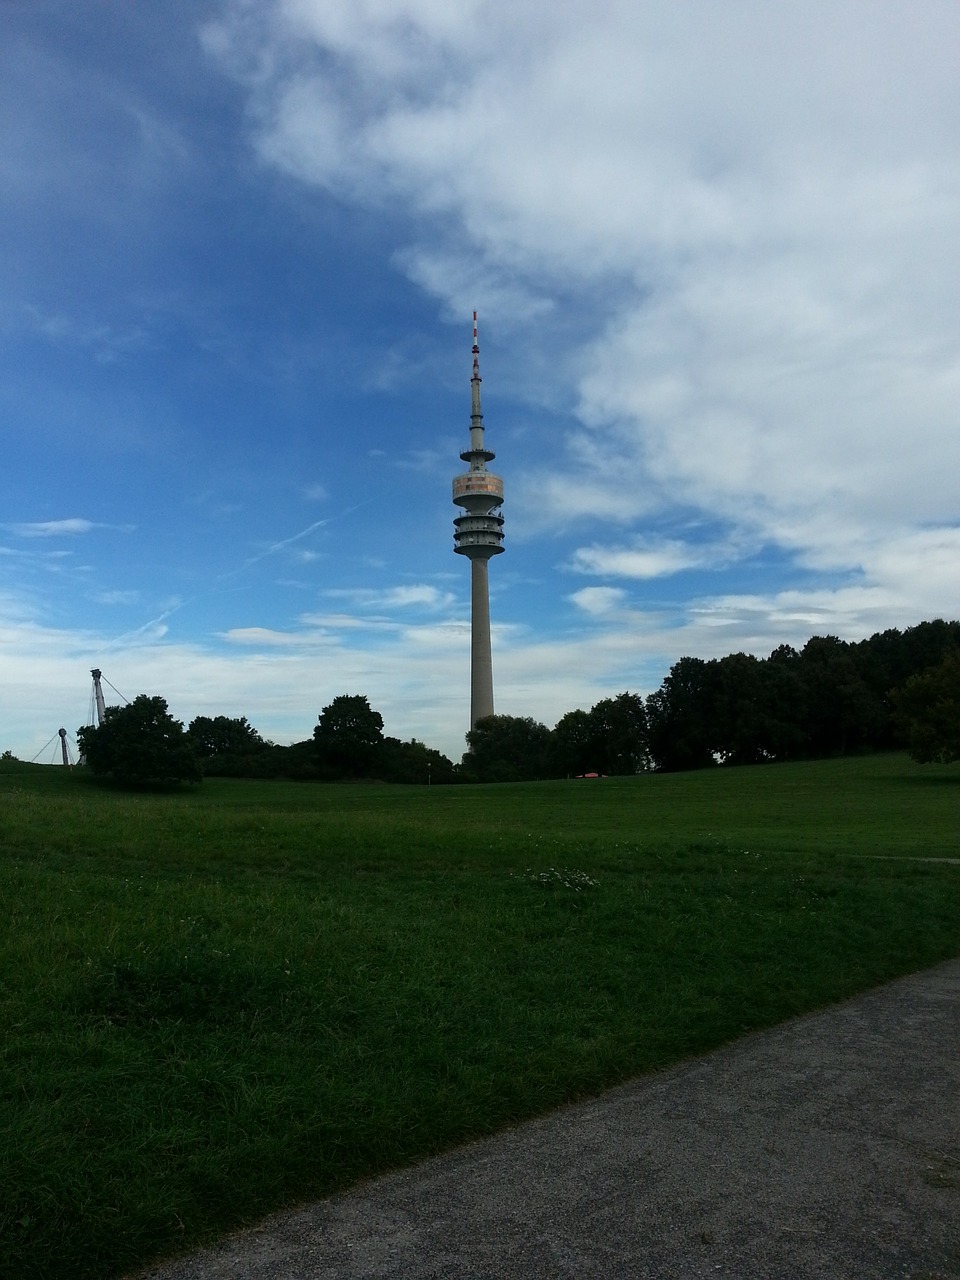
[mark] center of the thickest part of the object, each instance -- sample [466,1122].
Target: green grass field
[220,1001]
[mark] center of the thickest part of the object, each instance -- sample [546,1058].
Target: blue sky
[714,249]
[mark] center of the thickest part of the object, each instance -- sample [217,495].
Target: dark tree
[928,708]
[413,762]
[888,659]
[507,749]
[298,761]
[619,734]
[574,748]
[843,715]
[680,728]
[221,736]
[140,743]
[785,700]
[349,738]
[232,748]
[756,707]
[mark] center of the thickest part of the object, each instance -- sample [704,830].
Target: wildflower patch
[554,878]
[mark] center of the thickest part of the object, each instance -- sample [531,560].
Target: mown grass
[220,1001]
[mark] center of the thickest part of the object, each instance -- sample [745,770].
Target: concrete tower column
[481,658]
[478,534]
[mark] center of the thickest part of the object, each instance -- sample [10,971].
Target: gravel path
[826,1147]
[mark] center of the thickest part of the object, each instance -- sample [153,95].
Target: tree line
[829,698]
[143,743]
[898,689]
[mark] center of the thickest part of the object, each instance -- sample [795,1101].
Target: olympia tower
[478,535]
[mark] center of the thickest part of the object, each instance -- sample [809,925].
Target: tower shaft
[481,656]
[478,534]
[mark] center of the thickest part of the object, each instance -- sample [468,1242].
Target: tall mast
[476,413]
[478,535]
[98,694]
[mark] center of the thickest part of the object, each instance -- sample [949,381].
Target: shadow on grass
[934,779]
[149,787]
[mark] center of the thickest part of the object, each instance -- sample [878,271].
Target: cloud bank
[755,206]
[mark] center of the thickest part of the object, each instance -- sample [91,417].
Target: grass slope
[220,1001]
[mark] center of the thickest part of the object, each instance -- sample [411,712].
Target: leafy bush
[140,743]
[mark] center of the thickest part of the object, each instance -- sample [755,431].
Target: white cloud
[52,528]
[117,597]
[415,595]
[446,274]
[346,622]
[598,601]
[421,595]
[58,528]
[428,460]
[541,501]
[108,342]
[647,559]
[266,637]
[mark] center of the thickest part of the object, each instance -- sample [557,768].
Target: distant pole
[63,747]
[478,535]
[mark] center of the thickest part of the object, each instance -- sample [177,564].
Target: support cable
[104,680]
[43,749]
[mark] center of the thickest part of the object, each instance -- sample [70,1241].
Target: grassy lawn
[221,1001]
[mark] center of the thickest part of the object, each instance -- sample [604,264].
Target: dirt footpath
[827,1147]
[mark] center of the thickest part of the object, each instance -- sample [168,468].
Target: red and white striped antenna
[476,352]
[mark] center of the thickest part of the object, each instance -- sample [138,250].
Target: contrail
[233,573]
[286,542]
[278,546]
[131,635]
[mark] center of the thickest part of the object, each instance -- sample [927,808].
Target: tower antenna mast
[478,535]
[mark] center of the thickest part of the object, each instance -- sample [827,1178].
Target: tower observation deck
[478,535]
